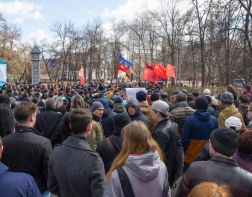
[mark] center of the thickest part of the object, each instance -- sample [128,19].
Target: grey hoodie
[147,174]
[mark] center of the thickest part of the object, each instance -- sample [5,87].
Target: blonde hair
[210,189]
[77,102]
[136,140]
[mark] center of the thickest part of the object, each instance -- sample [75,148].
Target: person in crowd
[164,96]
[243,156]
[145,108]
[5,100]
[210,109]
[228,109]
[181,111]
[97,132]
[206,92]
[191,101]
[244,102]
[16,184]
[233,123]
[47,121]
[7,123]
[63,130]
[138,170]
[135,113]
[63,108]
[110,147]
[247,91]
[118,105]
[154,97]
[107,117]
[231,89]
[197,130]
[167,136]
[249,115]
[74,168]
[220,168]
[210,189]
[26,150]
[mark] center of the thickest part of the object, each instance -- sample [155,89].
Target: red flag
[121,67]
[81,76]
[149,75]
[170,71]
[160,71]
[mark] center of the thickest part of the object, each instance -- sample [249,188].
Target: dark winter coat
[108,149]
[47,122]
[167,136]
[27,151]
[217,169]
[107,121]
[83,169]
[17,184]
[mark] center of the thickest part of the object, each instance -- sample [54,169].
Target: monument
[35,54]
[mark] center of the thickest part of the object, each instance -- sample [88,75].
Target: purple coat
[244,161]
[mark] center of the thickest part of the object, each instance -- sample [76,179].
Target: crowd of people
[95,140]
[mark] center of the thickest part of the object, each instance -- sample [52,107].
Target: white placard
[131,92]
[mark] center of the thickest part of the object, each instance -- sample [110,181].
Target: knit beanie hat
[181,96]
[118,99]
[201,103]
[141,96]
[121,120]
[96,105]
[227,98]
[224,141]
[104,102]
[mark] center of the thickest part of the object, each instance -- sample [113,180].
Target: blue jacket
[17,184]
[107,121]
[196,133]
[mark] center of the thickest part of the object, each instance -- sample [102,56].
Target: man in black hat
[220,168]
[228,109]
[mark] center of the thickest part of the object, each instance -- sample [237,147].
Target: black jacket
[107,121]
[47,122]
[75,169]
[108,149]
[27,151]
[167,136]
[217,169]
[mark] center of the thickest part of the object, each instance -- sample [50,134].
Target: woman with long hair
[139,169]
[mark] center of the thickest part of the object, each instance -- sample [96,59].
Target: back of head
[7,123]
[79,120]
[137,139]
[77,102]
[4,99]
[50,104]
[154,97]
[210,189]
[233,123]
[141,96]
[181,96]
[227,98]
[206,92]
[224,141]
[24,110]
[245,143]
[201,103]
[120,120]
[104,102]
